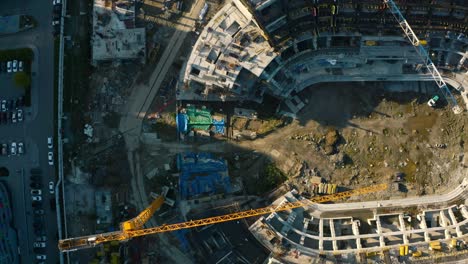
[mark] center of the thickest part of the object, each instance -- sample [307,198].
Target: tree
[22,79]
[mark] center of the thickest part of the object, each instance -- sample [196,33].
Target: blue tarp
[182,123]
[201,173]
[219,126]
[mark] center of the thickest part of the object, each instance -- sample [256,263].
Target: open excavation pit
[359,134]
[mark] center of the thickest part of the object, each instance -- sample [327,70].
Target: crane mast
[424,55]
[76,243]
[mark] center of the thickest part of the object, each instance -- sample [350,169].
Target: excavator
[134,227]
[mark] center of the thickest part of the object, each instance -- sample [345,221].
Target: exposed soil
[379,134]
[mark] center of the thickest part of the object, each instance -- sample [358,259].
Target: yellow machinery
[138,221]
[417,254]
[129,229]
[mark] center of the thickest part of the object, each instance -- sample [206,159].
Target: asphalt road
[37,126]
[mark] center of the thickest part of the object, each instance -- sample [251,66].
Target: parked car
[9,66]
[50,143]
[51,187]
[4,106]
[19,114]
[13,148]
[39,244]
[15,66]
[20,65]
[13,117]
[36,204]
[20,148]
[3,118]
[55,22]
[35,178]
[4,149]
[39,212]
[36,192]
[36,198]
[56,2]
[3,66]
[50,157]
[41,257]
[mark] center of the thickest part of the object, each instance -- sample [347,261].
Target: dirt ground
[379,134]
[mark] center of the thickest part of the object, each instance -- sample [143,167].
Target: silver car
[13,148]
[15,66]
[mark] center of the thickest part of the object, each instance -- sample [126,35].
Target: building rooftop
[231,43]
[114,33]
[9,24]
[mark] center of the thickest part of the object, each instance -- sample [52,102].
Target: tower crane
[134,227]
[71,244]
[424,55]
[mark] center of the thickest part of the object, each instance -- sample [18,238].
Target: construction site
[269,131]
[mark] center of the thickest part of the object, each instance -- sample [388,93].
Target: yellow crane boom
[71,244]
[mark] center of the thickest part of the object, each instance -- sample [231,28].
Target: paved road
[38,125]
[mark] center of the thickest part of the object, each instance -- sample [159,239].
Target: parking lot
[31,171]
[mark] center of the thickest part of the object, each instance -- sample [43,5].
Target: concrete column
[333,235]
[462,60]
[320,247]
[295,46]
[328,41]
[443,220]
[379,231]
[454,222]
[356,233]
[277,87]
[304,229]
[403,228]
[423,226]
[464,211]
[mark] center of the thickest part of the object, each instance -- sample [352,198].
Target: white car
[51,187]
[41,257]
[15,66]
[56,2]
[19,114]
[20,65]
[50,143]
[55,22]
[36,192]
[50,157]
[36,198]
[9,68]
[3,105]
[39,244]
[13,148]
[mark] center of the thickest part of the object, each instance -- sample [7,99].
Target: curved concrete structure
[439,217]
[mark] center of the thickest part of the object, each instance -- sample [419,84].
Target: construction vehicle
[424,55]
[370,43]
[435,245]
[404,250]
[417,254]
[433,101]
[134,227]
